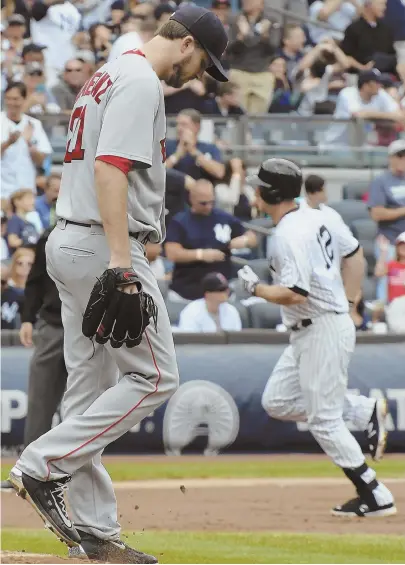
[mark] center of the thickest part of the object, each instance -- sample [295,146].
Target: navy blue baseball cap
[208,30]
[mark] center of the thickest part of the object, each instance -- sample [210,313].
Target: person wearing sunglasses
[71,82]
[39,99]
[200,240]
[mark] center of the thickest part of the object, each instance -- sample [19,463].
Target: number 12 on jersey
[74,149]
[325,241]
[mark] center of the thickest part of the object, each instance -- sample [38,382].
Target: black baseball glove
[113,315]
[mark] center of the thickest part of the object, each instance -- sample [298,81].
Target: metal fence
[256,137]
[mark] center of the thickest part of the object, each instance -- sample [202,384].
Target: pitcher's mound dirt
[22,557]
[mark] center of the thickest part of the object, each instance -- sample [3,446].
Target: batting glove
[249,279]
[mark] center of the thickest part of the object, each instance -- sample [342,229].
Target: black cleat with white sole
[106,551]
[357,508]
[48,500]
[376,432]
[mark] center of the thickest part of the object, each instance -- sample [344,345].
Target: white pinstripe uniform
[309,382]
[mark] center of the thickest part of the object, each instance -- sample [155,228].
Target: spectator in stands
[212,313]
[20,231]
[93,11]
[24,144]
[14,35]
[129,38]
[326,60]
[54,24]
[368,41]
[45,204]
[233,195]
[292,49]
[316,197]
[178,185]
[200,241]
[20,267]
[33,53]
[367,101]
[100,41]
[223,10]
[117,12]
[191,95]
[4,252]
[251,45]
[68,87]
[39,99]
[163,12]
[386,203]
[11,302]
[282,98]
[195,158]
[337,14]
[394,18]
[227,102]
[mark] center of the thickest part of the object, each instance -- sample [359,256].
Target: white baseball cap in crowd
[400,238]
[396,147]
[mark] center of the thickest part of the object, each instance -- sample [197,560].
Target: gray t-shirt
[388,191]
[119,113]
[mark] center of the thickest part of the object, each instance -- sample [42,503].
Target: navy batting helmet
[277,180]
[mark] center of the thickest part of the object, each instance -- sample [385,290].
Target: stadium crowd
[340,58]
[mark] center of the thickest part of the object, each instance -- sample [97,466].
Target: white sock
[382,495]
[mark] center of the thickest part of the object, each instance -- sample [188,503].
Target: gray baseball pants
[98,407]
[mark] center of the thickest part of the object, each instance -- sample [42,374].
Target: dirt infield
[253,505]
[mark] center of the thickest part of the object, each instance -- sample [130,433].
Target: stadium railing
[255,137]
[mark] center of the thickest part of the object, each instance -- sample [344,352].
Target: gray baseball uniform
[119,117]
[309,382]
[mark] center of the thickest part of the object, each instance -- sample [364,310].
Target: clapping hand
[248,278]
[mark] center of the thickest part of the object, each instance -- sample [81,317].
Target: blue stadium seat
[365,229]
[350,210]
[244,314]
[355,190]
[369,289]
[265,315]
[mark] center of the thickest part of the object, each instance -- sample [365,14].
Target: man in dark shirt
[177,187]
[195,158]
[252,42]
[369,41]
[199,241]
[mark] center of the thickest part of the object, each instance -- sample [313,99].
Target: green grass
[226,467]
[204,547]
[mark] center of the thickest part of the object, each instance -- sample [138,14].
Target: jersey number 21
[325,241]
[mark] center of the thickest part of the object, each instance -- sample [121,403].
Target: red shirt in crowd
[396,280]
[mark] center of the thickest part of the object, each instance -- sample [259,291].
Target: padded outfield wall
[218,407]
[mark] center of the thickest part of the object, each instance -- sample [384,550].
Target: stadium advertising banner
[218,405]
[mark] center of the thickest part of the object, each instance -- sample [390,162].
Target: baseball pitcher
[111,203]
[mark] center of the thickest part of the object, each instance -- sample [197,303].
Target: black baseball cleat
[106,551]
[357,508]
[48,500]
[376,433]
